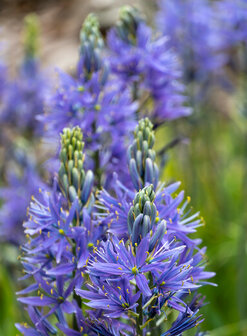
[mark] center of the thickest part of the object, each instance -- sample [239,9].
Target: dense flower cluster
[116,265]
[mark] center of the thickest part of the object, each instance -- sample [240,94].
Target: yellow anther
[52,291]
[134,270]
[188,199]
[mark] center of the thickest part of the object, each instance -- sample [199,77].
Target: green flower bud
[142,214]
[71,173]
[129,19]
[141,156]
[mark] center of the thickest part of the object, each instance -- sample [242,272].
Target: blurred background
[210,158]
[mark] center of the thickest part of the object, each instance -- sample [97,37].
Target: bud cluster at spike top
[111,262]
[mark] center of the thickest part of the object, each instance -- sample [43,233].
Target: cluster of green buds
[141,156]
[31,34]
[92,44]
[127,25]
[73,180]
[143,216]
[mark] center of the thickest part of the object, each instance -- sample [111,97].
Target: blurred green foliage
[213,170]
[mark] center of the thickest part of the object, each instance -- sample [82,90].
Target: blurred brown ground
[60,22]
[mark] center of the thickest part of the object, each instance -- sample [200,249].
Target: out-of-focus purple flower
[148,65]
[3,79]
[24,98]
[23,183]
[195,32]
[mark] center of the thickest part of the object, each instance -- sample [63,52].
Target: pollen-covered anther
[134,270]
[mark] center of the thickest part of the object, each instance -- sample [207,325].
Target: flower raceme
[114,85]
[116,265]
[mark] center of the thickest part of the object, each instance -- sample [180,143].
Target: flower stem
[139,319]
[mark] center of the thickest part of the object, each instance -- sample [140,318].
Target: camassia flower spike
[115,266]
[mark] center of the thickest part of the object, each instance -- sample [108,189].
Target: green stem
[139,318]
[98,172]
[135,91]
[152,325]
[76,297]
